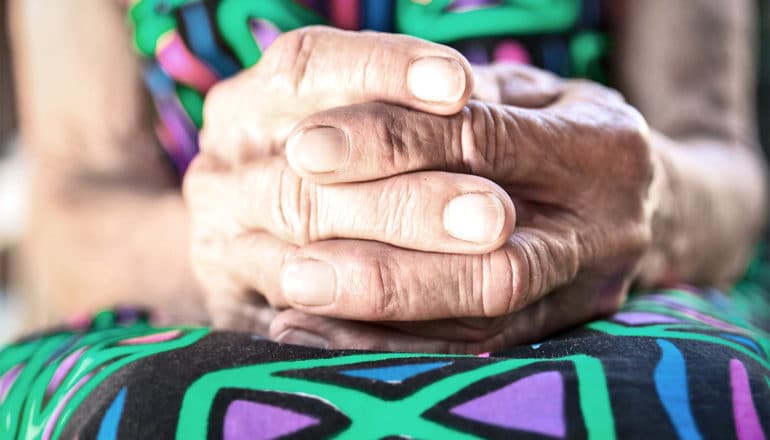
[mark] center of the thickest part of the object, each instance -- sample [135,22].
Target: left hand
[579,168]
[377,239]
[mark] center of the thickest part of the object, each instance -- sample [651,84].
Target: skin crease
[576,232]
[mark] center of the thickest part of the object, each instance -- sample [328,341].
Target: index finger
[352,67]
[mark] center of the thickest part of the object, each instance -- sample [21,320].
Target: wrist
[660,265]
[705,216]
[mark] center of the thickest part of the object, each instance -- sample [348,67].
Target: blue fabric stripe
[743,340]
[108,430]
[202,42]
[377,15]
[396,373]
[158,81]
[671,384]
[555,56]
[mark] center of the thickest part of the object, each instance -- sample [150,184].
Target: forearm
[689,68]
[89,247]
[710,209]
[82,105]
[107,223]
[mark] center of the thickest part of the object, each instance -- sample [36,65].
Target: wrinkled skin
[107,223]
[568,165]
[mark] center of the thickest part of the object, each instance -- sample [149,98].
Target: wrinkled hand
[249,209]
[579,169]
[402,214]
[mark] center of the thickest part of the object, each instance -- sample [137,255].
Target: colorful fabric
[192,44]
[678,363]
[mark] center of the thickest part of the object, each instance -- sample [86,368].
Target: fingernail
[301,337]
[436,79]
[309,282]
[475,217]
[319,149]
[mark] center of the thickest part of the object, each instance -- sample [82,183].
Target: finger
[432,211]
[376,140]
[454,329]
[564,309]
[559,311]
[239,270]
[516,84]
[376,282]
[373,141]
[229,304]
[234,265]
[241,278]
[317,68]
[351,67]
[298,328]
[529,147]
[252,318]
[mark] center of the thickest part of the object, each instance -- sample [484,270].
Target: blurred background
[14,171]
[12,192]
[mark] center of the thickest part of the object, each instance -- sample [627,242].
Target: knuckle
[294,208]
[490,280]
[219,119]
[481,140]
[525,262]
[384,288]
[398,204]
[294,40]
[509,296]
[633,130]
[396,133]
[413,140]
[632,138]
[292,51]
[624,136]
[470,279]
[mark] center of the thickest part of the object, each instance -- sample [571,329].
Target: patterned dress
[674,363]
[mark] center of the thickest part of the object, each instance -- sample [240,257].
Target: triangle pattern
[534,403]
[396,373]
[260,421]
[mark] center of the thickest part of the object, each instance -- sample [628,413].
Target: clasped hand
[374,191]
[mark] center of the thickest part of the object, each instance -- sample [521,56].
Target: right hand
[242,173]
